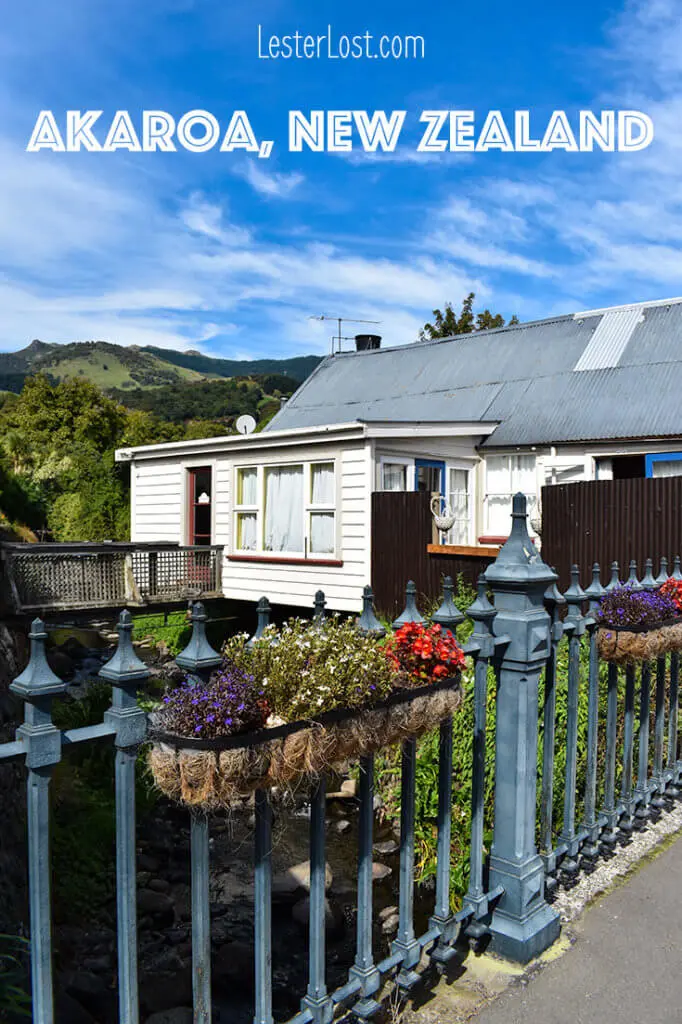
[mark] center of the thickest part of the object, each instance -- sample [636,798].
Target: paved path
[626,965]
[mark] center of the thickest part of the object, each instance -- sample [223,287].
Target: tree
[447,323]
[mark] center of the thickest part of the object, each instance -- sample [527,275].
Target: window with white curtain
[393,476]
[505,475]
[286,509]
[460,505]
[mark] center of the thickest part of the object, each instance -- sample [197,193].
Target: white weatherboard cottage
[476,418]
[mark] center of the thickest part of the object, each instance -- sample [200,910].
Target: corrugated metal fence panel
[611,520]
[401,530]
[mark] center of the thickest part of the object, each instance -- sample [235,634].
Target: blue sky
[232,255]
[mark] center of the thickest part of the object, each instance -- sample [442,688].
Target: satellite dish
[246,424]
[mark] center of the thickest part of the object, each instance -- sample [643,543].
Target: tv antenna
[341,320]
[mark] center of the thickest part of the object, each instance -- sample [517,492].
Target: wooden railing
[38,577]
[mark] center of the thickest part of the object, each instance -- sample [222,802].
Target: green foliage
[297,368]
[447,323]
[15,1000]
[173,630]
[312,668]
[221,400]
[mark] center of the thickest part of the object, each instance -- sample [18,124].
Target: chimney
[366,342]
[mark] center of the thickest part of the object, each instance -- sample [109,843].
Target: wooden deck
[42,577]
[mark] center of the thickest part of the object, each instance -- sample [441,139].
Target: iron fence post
[642,789]
[523,924]
[37,686]
[263,620]
[262,899]
[406,944]
[625,824]
[554,602]
[482,646]
[574,627]
[364,968]
[591,849]
[673,764]
[368,624]
[125,671]
[410,612]
[199,659]
[317,999]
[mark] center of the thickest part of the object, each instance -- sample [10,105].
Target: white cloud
[271,184]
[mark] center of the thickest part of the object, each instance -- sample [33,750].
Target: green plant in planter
[307,668]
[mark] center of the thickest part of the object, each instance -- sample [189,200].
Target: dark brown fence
[611,520]
[402,528]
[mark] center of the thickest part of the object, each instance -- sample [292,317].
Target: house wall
[159,511]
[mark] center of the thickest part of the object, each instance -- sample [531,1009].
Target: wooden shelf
[470,551]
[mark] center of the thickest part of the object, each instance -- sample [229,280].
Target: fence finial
[595,591]
[38,679]
[663,572]
[198,657]
[124,666]
[263,613]
[614,581]
[368,623]
[575,596]
[648,581]
[677,568]
[410,613]
[632,580]
[448,614]
[319,606]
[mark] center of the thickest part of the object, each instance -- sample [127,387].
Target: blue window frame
[649,461]
[434,464]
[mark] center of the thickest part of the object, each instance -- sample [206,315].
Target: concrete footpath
[625,966]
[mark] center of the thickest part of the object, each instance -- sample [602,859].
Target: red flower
[426,653]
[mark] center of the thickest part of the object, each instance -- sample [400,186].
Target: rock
[157,905]
[147,863]
[91,992]
[159,992]
[69,1009]
[390,924]
[61,663]
[73,647]
[288,882]
[349,787]
[159,885]
[333,917]
[387,847]
[341,827]
[387,912]
[178,1015]
[380,871]
[233,966]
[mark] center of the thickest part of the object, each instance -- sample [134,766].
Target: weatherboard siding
[158,513]
[296,584]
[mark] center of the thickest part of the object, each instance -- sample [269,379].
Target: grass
[173,630]
[107,370]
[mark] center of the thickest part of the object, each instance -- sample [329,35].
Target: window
[665,464]
[246,509]
[505,475]
[286,509]
[394,476]
[458,500]
[199,481]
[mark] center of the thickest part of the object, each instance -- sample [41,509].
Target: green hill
[121,368]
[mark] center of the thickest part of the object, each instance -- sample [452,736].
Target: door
[429,475]
[200,505]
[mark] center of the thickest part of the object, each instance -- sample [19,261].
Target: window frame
[308,509]
[534,501]
[397,460]
[469,469]
[650,460]
[190,504]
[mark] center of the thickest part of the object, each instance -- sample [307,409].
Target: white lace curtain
[284,509]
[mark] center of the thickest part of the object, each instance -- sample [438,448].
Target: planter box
[626,646]
[214,773]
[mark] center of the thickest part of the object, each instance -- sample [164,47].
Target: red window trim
[283,560]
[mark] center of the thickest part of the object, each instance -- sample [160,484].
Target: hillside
[131,368]
[218,400]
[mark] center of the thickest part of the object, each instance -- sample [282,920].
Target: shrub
[425,653]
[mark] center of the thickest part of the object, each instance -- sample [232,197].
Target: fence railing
[43,577]
[517,639]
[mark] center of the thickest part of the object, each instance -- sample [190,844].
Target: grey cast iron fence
[518,637]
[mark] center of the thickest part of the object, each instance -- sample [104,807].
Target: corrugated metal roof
[524,377]
[608,342]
